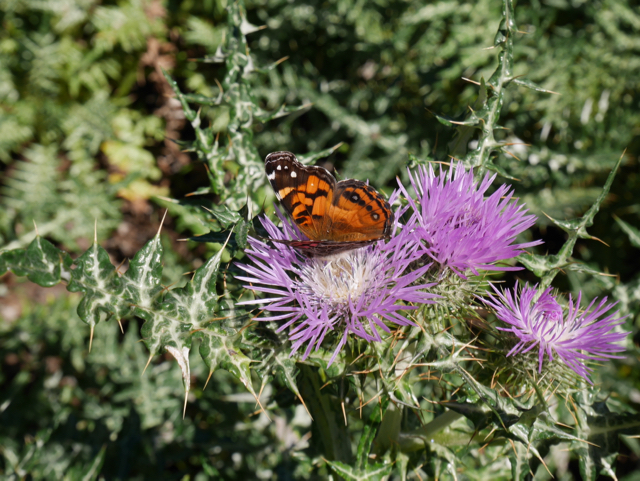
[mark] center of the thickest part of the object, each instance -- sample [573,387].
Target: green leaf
[225,216]
[311,158]
[216,237]
[329,424]
[632,232]
[472,120]
[141,282]
[530,85]
[41,262]
[499,170]
[601,428]
[375,471]
[458,146]
[576,229]
[519,462]
[169,322]
[101,285]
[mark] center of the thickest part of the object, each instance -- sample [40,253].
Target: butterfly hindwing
[323,248]
[358,212]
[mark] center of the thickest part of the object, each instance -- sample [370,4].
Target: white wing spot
[272,175]
[279,167]
[286,167]
[294,175]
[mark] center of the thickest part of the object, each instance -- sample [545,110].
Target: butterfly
[335,216]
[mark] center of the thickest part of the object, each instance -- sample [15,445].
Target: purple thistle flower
[574,337]
[354,293]
[462,229]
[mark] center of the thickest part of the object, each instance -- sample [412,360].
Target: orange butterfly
[335,216]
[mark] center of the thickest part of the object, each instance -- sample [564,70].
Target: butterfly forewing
[304,192]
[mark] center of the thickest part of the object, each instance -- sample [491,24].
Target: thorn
[148,362]
[162,222]
[120,265]
[260,393]
[512,155]
[547,216]
[373,398]
[283,59]
[207,381]
[184,408]
[95,230]
[337,146]
[260,404]
[415,470]
[36,228]
[305,406]
[120,324]
[221,90]
[344,413]
[470,81]
[167,199]
[354,361]
[91,337]
[600,240]
[206,208]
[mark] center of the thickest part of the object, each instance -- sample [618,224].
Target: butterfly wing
[358,213]
[335,216]
[304,192]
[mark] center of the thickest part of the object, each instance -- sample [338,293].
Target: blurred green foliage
[84,114]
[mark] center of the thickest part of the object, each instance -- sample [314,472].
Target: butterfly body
[335,216]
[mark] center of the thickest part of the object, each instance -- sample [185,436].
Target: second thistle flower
[459,228]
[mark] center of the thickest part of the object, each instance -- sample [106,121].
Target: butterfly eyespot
[375,216]
[355,197]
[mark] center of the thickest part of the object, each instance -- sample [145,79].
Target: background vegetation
[92,134]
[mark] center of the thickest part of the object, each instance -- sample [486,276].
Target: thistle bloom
[461,228]
[353,294]
[574,336]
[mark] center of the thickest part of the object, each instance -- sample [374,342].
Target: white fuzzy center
[339,280]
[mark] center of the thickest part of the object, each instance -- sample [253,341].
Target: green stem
[328,421]
[420,438]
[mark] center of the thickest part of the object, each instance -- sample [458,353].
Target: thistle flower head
[462,230]
[572,335]
[356,293]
